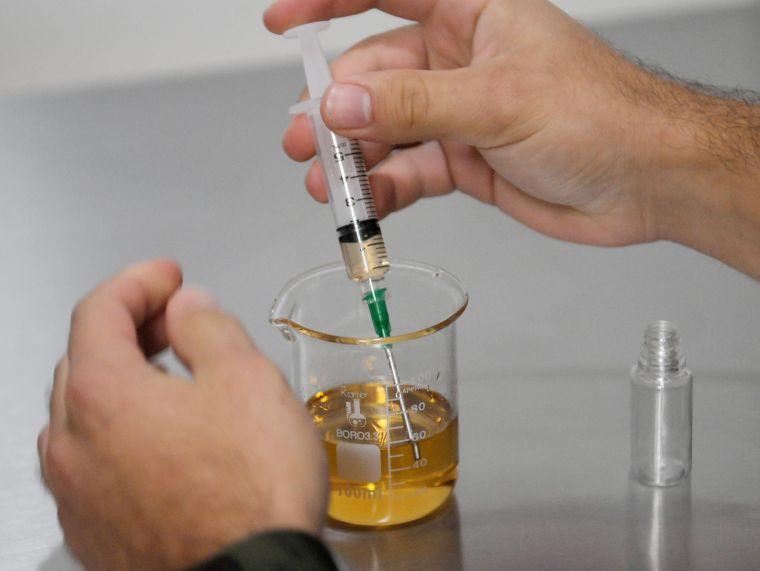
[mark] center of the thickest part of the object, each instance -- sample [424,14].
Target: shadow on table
[60,559]
[431,544]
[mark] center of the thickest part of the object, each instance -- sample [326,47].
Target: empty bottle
[661,409]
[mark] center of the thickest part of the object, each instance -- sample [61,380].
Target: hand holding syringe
[350,196]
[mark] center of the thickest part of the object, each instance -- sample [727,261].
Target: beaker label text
[360,435]
[357,493]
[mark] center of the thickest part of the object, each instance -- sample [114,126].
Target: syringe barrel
[351,200]
[353,207]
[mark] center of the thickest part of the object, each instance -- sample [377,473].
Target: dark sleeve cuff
[273,551]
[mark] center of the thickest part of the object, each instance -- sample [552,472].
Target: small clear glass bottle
[661,409]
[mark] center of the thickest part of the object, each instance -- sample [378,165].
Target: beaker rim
[281,321]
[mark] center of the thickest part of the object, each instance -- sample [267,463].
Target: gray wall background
[54,44]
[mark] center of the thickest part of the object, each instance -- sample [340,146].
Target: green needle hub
[378,310]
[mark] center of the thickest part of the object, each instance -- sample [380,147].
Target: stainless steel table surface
[191,167]
[544,484]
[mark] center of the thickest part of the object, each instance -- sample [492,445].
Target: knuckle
[79,311]
[60,368]
[79,393]
[84,398]
[409,106]
[42,439]
[57,465]
[203,321]
[85,309]
[219,328]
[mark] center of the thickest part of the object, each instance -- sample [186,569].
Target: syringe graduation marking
[360,174]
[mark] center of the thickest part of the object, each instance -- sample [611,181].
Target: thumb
[202,335]
[407,106]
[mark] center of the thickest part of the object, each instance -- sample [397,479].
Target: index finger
[104,325]
[286,14]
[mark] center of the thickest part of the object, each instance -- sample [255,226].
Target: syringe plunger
[318,76]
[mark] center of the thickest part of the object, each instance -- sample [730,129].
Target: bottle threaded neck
[660,353]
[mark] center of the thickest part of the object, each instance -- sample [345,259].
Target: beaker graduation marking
[402,404]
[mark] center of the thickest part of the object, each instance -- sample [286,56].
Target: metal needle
[402,404]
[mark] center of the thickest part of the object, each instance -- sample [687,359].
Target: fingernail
[348,106]
[193,298]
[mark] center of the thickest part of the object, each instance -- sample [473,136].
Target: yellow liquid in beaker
[374,477]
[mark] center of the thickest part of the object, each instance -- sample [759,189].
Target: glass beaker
[340,370]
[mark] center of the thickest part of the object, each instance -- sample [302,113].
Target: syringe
[353,207]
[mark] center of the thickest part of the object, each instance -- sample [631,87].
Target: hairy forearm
[714,203]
